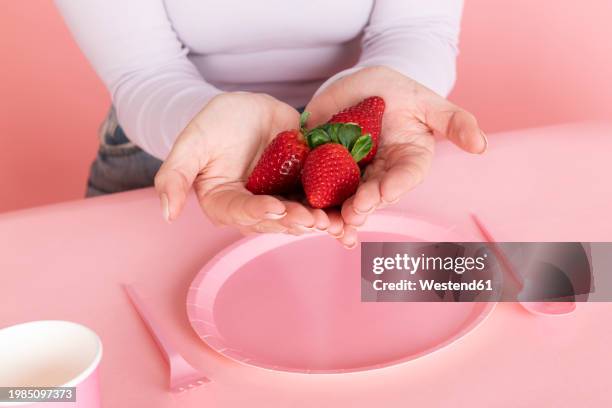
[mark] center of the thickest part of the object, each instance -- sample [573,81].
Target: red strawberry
[368,114]
[331,174]
[280,166]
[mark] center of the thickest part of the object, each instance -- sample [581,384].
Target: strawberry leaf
[317,137]
[362,147]
[345,134]
[333,130]
[348,134]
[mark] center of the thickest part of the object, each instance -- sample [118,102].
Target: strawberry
[368,114]
[331,174]
[280,166]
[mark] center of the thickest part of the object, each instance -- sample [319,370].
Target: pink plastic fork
[536,308]
[183,375]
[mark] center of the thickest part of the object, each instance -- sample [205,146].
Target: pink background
[526,64]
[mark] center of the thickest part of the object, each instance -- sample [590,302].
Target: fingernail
[359,212]
[395,200]
[165,207]
[351,246]
[338,235]
[486,142]
[274,216]
[302,228]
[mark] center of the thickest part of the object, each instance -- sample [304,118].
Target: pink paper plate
[293,304]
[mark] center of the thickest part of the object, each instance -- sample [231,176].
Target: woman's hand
[216,152]
[413,115]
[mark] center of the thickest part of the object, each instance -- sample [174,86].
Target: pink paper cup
[51,353]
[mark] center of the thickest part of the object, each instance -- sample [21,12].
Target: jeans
[120,165]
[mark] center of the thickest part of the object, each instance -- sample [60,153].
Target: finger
[297,231]
[384,204]
[298,216]
[333,99]
[321,220]
[320,108]
[399,180]
[405,171]
[336,224]
[269,227]
[349,240]
[234,205]
[454,123]
[264,227]
[349,215]
[367,198]
[176,175]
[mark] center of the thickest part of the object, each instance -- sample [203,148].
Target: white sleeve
[132,46]
[415,37]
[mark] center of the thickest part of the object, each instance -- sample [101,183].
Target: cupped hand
[215,154]
[413,115]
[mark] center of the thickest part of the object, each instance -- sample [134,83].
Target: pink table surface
[66,261]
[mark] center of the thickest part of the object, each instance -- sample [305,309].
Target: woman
[204,85]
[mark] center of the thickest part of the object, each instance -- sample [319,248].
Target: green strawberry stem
[347,134]
[362,147]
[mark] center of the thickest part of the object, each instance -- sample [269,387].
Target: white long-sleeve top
[163,60]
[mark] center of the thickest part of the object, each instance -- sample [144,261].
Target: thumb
[456,124]
[175,177]
[322,106]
